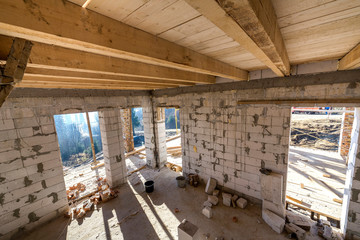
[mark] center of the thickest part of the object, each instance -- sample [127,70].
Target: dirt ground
[316,131]
[152,216]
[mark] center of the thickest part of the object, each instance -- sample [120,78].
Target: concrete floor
[152,216]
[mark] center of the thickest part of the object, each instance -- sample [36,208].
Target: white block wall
[32,189]
[113,147]
[350,221]
[230,143]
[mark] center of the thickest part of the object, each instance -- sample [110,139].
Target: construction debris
[74,191]
[213,200]
[173,167]
[292,228]
[210,186]
[274,221]
[102,194]
[241,202]
[207,211]
[226,199]
[194,179]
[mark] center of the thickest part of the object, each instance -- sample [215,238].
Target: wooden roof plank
[253,24]
[90,31]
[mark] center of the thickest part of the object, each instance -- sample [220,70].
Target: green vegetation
[73,136]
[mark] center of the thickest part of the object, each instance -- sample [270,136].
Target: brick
[6,124]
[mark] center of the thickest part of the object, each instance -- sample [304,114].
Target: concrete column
[346,129]
[155,137]
[350,217]
[127,129]
[113,146]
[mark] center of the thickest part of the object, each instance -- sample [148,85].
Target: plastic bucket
[181,181]
[149,186]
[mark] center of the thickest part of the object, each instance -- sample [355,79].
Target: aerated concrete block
[241,202]
[278,209]
[210,186]
[213,200]
[274,221]
[207,211]
[226,199]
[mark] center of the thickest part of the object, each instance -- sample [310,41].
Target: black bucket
[149,186]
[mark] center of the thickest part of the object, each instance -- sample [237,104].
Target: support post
[91,137]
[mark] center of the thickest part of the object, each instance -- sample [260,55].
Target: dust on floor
[152,216]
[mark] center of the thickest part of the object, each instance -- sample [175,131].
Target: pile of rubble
[103,194]
[74,191]
[228,199]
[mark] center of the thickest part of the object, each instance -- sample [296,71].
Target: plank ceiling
[312,30]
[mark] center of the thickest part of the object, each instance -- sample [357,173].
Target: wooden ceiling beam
[32,72]
[67,25]
[73,86]
[351,60]
[54,79]
[58,58]
[253,24]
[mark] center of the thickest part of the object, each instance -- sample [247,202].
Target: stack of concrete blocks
[272,201]
[113,146]
[31,176]
[155,138]
[230,142]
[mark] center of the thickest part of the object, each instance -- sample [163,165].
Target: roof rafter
[43,21]
[351,60]
[253,24]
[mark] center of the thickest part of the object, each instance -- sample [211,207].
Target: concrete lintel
[45,92]
[351,76]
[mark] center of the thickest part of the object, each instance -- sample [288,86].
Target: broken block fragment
[207,211]
[233,200]
[226,199]
[274,221]
[216,192]
[213,200]
[210,186]
[207,204]
[241,202]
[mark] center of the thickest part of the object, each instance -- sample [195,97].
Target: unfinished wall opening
[79,139]
[319,146]
[134,138]
[173,138]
